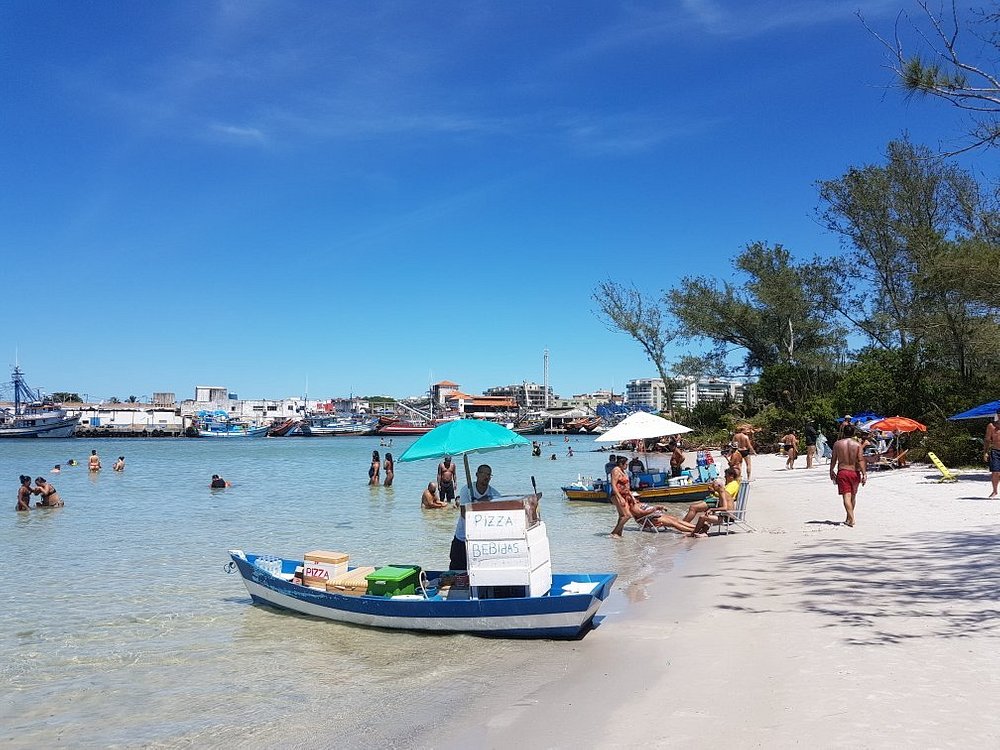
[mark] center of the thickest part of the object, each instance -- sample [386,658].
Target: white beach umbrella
[640,426]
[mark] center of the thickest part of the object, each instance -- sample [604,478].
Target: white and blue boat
[566,611]
[218,425]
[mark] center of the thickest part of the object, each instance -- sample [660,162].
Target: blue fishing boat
[567,610]
[217,424]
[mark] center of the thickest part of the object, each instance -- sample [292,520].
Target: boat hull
[567,615]
[684,494]
[60,428]
[252,432]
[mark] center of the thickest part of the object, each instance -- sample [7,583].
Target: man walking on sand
[851,474]
[991,451]
[742,442]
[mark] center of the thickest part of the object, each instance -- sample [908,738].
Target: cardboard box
[319,566]
[352,583]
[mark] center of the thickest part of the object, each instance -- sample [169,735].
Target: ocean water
[119,626]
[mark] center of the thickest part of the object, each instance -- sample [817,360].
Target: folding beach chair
[738,515]
[946,474]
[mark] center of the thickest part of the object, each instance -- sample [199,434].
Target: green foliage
[380,399]
[952,442]
[771,313]
[66,397]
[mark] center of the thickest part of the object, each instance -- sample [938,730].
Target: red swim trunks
[848,480]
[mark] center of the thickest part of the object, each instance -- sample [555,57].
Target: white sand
[805,633]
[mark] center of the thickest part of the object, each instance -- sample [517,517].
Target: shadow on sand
[940,585]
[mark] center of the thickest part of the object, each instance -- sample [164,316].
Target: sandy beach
[802,633]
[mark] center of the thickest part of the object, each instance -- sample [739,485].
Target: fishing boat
[529,427]
[283,428]
[34,416]
[567,610]
[217,424]
[650,487]
[407,426]
[326,425]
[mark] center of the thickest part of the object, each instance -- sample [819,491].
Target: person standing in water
[375,469]
[390,470]
[50,498]
[24,493]
[94,462]
[119,465]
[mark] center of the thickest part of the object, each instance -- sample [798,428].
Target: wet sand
[803,633]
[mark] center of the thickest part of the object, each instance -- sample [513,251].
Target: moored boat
[319,426]
[218,425]
[566,611]
[34,416]
[650,487]
[529,427]
[408,426]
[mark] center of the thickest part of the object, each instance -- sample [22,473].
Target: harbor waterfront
[119,625]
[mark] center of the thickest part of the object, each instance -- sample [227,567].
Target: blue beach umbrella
[461,437]
[983,411]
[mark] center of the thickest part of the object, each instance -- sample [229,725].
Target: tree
[771,314]
[944,71]
[66,397]
[624,309]
[914,230]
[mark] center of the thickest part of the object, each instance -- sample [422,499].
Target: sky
[332,198]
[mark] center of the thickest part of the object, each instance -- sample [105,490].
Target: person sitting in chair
[723,496]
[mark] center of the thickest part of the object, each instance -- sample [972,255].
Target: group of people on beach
[49,497]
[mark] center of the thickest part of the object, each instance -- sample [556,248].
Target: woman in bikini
[390,470]
[50,498]
[24,493]
[374,469]
[621,495]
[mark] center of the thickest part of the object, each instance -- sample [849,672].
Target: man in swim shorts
[446,480]
[851,475]
[991,451]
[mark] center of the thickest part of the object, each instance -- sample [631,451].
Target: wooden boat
[530,427]
[567,611]
[283,428]
[653,487]
[33,416]
[407,426]
[322,426]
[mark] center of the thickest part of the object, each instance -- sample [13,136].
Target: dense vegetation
[906,320]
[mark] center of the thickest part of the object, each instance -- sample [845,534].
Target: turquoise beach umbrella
[461,437]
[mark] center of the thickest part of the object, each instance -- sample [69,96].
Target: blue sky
[370,197]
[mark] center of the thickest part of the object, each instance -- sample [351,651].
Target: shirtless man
[991,451]
[848,456]
[446,480]
[676,458]
[430,499]
[94,462]
[742,441]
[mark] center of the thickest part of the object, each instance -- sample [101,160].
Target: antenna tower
[545,376]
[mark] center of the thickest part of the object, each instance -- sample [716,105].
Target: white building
[527,395]
[652,392]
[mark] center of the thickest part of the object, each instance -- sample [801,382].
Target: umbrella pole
[468,474]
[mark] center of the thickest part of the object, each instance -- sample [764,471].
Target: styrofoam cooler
[517,561]
[319,566]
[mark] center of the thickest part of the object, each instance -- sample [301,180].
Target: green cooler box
[394,580]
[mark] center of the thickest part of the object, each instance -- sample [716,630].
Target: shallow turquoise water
[118,625]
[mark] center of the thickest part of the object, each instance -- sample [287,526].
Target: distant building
[441,391]
[526,395]
[210,394]
[651,392]
[164,399]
